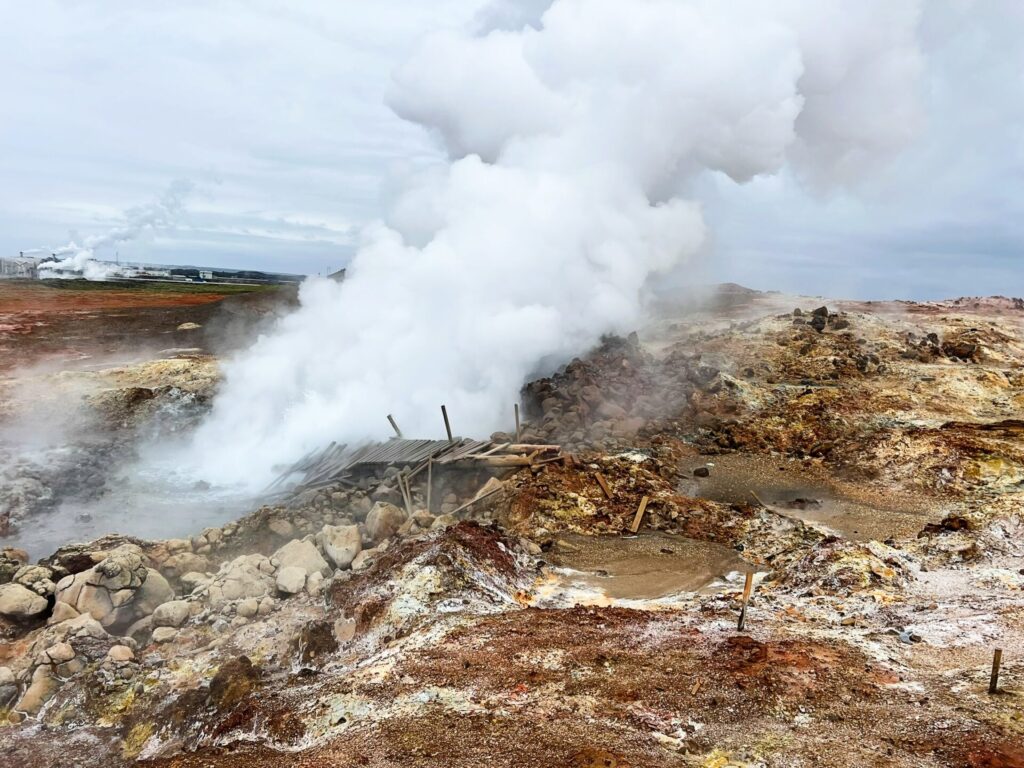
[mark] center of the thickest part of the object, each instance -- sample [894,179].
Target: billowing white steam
[79,260]
[573,139]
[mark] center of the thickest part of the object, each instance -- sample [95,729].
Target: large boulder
[301,554]
[117,592]
[244,577]
[171,614]
[341,543]
[384,520]
[19,602]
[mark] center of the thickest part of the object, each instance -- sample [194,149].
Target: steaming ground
[100,385]
[332,628]
[103,450]
[149,499]
[573,139]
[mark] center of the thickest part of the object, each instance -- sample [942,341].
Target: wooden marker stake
[997,659]
[447,426]
[394,426]
[748,585]
[604,485]
[639,515]
[518,439]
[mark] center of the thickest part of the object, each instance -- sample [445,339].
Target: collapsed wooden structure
[337,464]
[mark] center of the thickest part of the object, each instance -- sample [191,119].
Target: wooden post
[748,585]
[604,485]
[517,423]
[639,515]
[430,481]
[403,484]
[447,426]
[997,659]
[394,426]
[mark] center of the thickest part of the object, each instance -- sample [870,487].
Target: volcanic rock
[38,578]
[164,634]
[62,612]
[291,580]
[117,592]
[301,554]
[120,653]
[171,614]
[20,602]
[383,521]
[245,576]
[340,543]
[42,689]
[8,686]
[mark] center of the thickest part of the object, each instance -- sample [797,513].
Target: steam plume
[80,259]
[573,137]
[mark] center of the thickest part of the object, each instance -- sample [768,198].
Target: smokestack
[573,137]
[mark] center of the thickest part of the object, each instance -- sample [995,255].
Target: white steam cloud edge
[574,132]
[78,260]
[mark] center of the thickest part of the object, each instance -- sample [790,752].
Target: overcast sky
[275,111]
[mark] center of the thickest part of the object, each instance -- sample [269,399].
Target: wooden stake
[696,686]
[517,423]
[394,426]
[447,426]
[430,481]
[604,485]
[639,515]
[997,659]
[403,484]
[748,586]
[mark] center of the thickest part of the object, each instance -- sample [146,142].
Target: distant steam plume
[79,259]
[574,133]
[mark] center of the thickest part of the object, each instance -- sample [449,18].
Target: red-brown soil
[73,320]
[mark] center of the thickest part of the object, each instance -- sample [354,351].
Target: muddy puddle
[650,567]
[858,513]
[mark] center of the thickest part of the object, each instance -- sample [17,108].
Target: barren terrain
[863,461]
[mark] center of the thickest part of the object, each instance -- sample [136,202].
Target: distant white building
[22,266]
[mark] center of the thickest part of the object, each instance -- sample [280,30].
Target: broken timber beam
[604,485]
[447,425]
[481,497]
[430,481]
[394,426]
[639,515]
[403,483]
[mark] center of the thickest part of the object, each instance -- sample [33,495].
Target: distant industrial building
[31,268]
[24,267]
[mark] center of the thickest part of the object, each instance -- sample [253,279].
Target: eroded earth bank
[863,460]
